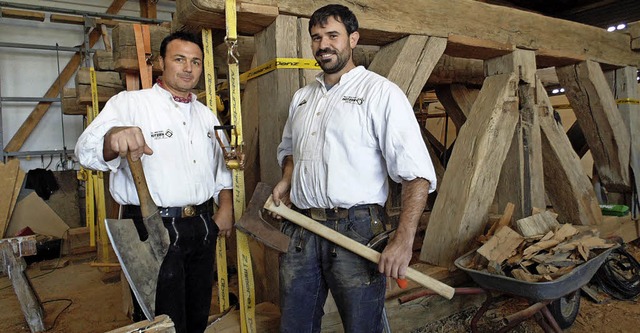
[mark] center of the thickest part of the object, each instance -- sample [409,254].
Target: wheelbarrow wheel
[565,309]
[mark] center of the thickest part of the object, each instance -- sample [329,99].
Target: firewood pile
[540,249]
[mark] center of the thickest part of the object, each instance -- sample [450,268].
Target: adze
[253,224]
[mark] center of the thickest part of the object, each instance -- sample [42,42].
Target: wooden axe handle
[353,246]
[147,206]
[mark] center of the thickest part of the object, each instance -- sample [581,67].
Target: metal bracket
[234,152]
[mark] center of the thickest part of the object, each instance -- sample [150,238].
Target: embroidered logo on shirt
[353,100]
[157,135]
[302,103]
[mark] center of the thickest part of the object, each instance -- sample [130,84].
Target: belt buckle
[188,211]
[318,214]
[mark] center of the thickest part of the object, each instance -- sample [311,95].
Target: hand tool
[253,220]
[140,260]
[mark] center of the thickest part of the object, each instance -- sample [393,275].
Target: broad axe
[254,225]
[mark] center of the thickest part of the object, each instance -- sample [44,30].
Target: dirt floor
[80,298]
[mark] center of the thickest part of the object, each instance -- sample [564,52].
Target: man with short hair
[346,133]
[173,135]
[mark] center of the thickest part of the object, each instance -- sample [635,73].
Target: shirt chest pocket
[351,124]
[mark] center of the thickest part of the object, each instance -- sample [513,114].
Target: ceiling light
[621,26]
[611,28]
[562,90]
[555,91]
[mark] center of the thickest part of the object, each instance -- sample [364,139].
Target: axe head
[253,224]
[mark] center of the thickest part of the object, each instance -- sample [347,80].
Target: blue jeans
[314,265]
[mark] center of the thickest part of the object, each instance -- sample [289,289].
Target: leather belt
[329,214]
[177,212]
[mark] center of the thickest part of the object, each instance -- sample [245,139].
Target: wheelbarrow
[555,304]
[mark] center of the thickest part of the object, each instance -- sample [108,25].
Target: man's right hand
[120,141]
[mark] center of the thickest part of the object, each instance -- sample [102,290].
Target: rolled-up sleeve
[400,138]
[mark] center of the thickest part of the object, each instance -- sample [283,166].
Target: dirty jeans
[314,265]
[186,275]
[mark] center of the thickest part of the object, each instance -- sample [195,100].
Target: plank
[16,191]
[275,91]
[408,62]
[522,178]
[70,104]
[39,111]
[457,100]
[384,21]
[79,20]
[634,31]
[8,177]
[469,183]
[594,105]
[29,301]
[568,188]
[103,78]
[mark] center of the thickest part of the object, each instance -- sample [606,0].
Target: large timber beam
[470,181]
[21,136]
[457,100]
[478,30]
[521,180]
[409,62]
[596,111]
[567,186]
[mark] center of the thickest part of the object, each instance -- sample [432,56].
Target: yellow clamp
[628,101]
[83,174]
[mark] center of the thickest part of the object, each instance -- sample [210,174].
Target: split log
[596,111]
[471,178]
[537,225]
[501,246]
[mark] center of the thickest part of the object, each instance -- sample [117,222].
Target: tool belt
[330,214]
[175,212]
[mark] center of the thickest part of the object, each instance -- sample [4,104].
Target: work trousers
[314,265]
[186,277]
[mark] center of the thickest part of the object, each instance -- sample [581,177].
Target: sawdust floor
[76,299]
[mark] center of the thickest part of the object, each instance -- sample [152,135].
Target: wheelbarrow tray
[536,291]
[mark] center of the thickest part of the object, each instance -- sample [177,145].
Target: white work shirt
[345,142]
[187,165]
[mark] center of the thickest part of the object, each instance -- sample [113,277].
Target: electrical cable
[619,275]
[58,315]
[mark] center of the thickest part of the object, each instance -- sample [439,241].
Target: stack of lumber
[109,84]
[11,179]
[540,250]
[125,58]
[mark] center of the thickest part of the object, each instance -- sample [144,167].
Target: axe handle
[355,247]
[147,206]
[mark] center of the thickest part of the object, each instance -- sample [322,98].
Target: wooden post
[596,112]
[521,179]
[469,184]
[457,100]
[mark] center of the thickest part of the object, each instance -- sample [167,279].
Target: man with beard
[173,135]
[346,133]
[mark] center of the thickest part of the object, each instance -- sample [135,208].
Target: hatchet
[140,260]
[253,224]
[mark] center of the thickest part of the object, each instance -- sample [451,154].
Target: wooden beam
[22,14]
[457,100]
[567,186]
[275,91]
[501,29]
[521,180]
[38,112]
[148,9]
[634,31]
[29,301]
[596,111]
[626,91]
[469,184]
[79,20]
[409,62]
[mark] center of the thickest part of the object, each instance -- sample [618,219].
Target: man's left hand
[395,258]
[224,219]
